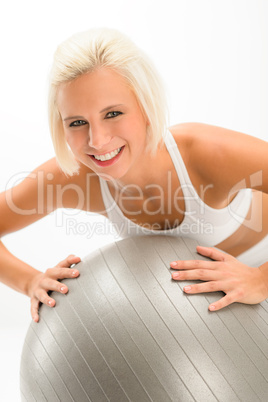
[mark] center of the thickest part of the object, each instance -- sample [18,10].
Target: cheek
[75,140]
[137,127]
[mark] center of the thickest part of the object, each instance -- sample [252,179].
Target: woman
[116,157]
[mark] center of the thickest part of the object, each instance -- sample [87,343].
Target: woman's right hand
[42,283]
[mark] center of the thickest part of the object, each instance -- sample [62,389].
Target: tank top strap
[108,200]
[183,176]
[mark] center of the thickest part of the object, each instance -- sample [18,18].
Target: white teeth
[108,156]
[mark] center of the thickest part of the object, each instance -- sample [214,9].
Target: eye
[110,115]
[78,123]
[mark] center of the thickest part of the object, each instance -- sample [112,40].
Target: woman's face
[103,123]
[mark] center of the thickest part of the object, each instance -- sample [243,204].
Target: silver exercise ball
[127,332]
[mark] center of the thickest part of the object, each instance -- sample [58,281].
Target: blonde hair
[86,51]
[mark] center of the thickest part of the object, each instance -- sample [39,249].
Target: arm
[229,161]
[19,207]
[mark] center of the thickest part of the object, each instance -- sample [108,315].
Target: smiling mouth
[108,156]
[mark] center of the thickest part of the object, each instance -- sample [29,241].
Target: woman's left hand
[239,282]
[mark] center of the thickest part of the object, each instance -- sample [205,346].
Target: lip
[109,162]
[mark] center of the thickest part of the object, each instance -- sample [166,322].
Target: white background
[213,57]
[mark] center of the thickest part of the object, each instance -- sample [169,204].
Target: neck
[147,170]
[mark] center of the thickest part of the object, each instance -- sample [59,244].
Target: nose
[98,137]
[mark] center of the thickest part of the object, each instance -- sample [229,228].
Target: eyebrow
[110,107]
[73,117]
[103,110]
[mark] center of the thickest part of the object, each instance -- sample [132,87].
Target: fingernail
[50,302]
[187,288]
[212,307]
[74,273]
[173,264]
[62,289]
[175,275]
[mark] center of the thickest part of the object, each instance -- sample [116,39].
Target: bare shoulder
[212,136]
[85,187]
[197,141]
[45,189]
[79,191]
[218,155]
[197,134]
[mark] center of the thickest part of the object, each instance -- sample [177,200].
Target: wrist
[29,279]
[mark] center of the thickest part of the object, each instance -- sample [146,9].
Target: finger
[193,264]
[70,260]
[212,253]
[205,287]
[44,298]
[62,273]
[34,309]
[196,274]
[49,284]
[223,302]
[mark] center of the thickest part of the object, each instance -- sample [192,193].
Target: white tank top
[209,226]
